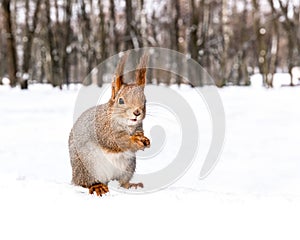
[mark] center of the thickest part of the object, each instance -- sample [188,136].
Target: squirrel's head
[128,99]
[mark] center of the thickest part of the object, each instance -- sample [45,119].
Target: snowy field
[253,192]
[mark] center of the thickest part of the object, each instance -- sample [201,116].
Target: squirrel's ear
[113,93]
[118,81]
[140,73]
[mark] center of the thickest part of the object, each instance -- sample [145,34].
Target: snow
[253,192]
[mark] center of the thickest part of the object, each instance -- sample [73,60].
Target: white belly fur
[111,166]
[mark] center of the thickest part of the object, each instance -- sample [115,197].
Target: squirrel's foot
[99,188]
[132,185]
[142,141]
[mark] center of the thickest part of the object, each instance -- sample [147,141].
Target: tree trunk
[193,29]
[175,39]
[1,54]
[293,40]
[115,40]
[143,24]
[129,41]
[54,68]
[102,32]
[87,49]
[11,44]
[27,43]
[243,75]
[67,41]
[226,37]
[199,14]
[274,46]
[260,33]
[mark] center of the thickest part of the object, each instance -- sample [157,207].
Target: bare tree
[291,26]
[274,45]
[2,47]
[113,27]
[175,36]
[130,40]
[143,25]
[102,32]
[260,32]
[87,49]
[11,44]
[193,30]
[27,42]
[66,43]
[242,46]
[53,71]
[226,40]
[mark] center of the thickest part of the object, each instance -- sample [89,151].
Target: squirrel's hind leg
[128,185]
[99,188]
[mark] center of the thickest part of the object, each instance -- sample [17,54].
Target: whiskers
[159,115]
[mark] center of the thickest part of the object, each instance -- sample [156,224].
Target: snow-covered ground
[253,192]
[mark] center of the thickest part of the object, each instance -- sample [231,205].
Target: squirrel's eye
[121,101]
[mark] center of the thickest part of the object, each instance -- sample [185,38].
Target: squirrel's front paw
[141,141]
[145,141]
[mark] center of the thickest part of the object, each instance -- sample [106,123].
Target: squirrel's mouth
[133,120]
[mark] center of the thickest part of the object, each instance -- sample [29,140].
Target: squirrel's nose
[137,113]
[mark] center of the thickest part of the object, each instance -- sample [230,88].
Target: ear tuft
[118,81]
[141,71]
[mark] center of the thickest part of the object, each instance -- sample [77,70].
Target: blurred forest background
[61,41]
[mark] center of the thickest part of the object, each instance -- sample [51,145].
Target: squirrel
[104,140]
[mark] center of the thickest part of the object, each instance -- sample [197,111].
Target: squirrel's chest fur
[115,166]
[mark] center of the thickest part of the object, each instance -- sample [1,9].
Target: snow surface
[253,193]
